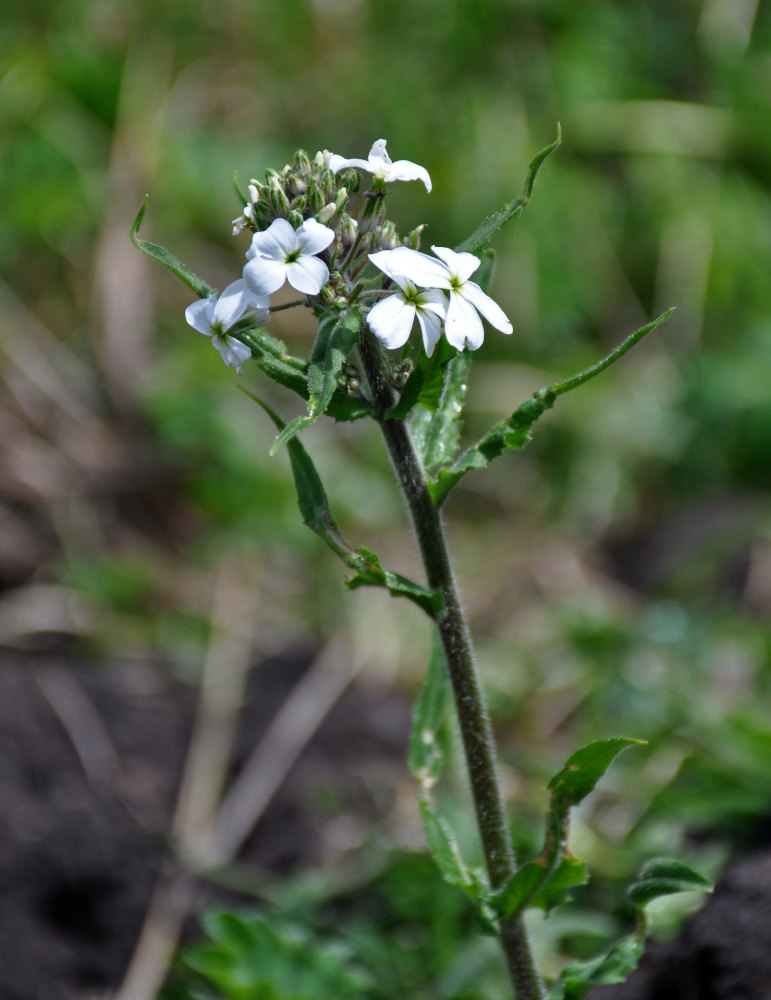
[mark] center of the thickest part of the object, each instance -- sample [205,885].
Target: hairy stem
[476,729]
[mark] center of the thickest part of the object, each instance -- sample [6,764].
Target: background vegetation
[618,572]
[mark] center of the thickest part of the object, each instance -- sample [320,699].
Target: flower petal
[337,163]
[418,267]
[462,326]
[277,241]
[307,275]
[378,155]
[406,170]
[491,311]
[312,237]
[264,275]
[432,300]
[462,265]
[431,328]
[391,320]
[233,352]
[233,304]
[199,314]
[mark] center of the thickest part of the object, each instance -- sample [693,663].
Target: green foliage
[254,958]
[426,757]
[482,236]
[662,876]
[201,288]
[584,769]
[612,967]
[334,341]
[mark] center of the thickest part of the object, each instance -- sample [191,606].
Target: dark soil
[82,833]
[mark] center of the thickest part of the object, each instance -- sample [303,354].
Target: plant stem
[476,729]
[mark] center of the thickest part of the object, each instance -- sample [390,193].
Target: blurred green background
[617,572]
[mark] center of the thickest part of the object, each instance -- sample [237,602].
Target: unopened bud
[299,203]
[341,198]
[295,219]
[318,160]
[386,236]
[254,194]
[340,303]
[412,239]
[327,213]
[302,162]
[315,197]
[295,184]
[348,230]
[277,196]
[327,295]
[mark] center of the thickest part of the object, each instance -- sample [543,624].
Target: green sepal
[614,966]
[369,573]
[425,755]
[534,885]
[585,767]
[201,288]
[482,236]
[335,339]
[664,876]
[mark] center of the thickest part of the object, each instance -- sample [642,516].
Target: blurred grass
[618,573]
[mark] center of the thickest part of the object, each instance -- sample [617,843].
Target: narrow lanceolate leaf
[314,509]
[441,441]
[426,758]
[613,967]
[482,236]
[201,288]
[664,876]
[510,434]
[444,847]
[515,431]
[369,573]
[584,769]
[334,341]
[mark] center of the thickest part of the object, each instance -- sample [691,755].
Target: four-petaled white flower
[379,164]
[282,253]
[392,318]
[215,316]
[462,325]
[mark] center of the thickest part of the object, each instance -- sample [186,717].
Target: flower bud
[318,161]
[326,213]
[412,239]
[277,196]
[327,295]
[295,184]
[386,236]
[341,198]
[299,203]
[295,219]
[340,303]
[302,162]
[315,197]
[348,230]
[253,191]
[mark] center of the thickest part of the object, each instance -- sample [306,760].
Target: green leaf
[483,276]
[369,573]
[482,236]
[512,433]
[613,967]
[515,431]
[585,767]
[201,288]
[335,339]
[444,847]
[443,433]
[426,758]
[664,876]
[535,885]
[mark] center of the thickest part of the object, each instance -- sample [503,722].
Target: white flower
[281,253]
[462,325]
[215,316]
[379,164]
[392,318]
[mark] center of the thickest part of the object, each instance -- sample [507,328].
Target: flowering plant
[315,228]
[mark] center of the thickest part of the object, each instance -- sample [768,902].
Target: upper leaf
[426,758]
[612,967]
[664,876]
[201,288]
[584,769]
[481,236]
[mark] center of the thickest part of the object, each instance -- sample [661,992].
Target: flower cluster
[306,234]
